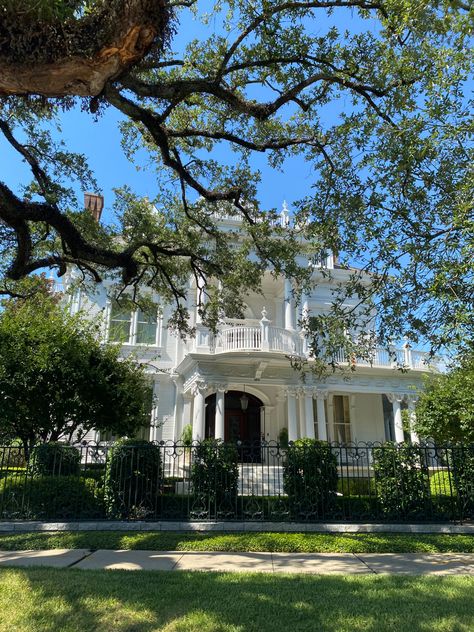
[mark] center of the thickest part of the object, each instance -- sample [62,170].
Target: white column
[178,409]
[154,425]
[219,428]
[330,419]
[289,306]
[412,417]
[396,399]
[301,415]
[199,416]
[321,413]
[292,426]
[309,413]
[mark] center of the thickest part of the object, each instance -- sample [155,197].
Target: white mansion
[239,385]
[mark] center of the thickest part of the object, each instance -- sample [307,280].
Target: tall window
[146,328]
[342,421]
[120,329]
[133,326]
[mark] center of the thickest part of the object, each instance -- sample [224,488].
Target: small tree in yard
[57,381]
[445,410]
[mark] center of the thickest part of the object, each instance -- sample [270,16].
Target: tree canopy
[379,108]
[56,379]
[445,410]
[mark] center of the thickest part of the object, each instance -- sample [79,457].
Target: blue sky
[100,141]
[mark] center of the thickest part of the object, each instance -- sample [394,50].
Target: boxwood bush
[402,481]
[50,498]
[462,469]
[310,478]
[214,477]
[54,459]
[133,479]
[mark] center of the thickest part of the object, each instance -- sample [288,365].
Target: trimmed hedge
[310,478]
[133,479]
[50,497]
[215,477]
[54,459]
[402,481]
[462,465]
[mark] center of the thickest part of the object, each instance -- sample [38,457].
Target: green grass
[45,600]
[211,541]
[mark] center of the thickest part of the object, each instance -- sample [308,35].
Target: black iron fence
[306,481]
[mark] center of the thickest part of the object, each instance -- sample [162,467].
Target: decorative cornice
[199,387]
[319,394]
[396,397]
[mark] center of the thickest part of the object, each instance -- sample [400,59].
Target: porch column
[292,426]
[309,412]
[220,411]
[301,414]
[396,400]
[412,417]
[199,413]
[154,425]
[289,306]
[321,396]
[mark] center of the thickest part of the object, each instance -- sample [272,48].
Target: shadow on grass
[44,600]
[256,541]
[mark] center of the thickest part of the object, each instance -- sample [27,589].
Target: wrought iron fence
[247,481]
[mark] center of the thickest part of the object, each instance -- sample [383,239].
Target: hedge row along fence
[210,480]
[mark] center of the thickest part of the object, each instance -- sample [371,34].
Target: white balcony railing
[262,336]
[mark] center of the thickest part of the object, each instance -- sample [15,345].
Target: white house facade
[239,385]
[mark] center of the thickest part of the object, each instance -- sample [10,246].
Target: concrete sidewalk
[316,563]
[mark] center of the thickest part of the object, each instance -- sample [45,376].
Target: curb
[282,527]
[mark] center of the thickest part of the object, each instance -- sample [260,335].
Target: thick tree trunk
[77,76]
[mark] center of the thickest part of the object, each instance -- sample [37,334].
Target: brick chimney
[94,203]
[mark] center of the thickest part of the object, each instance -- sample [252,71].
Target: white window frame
[347,422]
[132,340]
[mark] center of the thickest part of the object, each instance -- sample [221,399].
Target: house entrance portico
[242,416]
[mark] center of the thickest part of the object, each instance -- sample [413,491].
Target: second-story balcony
[257,338]
[235,336]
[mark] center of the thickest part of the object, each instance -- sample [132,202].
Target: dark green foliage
[215,475]
[54,459]
[57,380]
[283,438]
[50,497]
[310,478]
[445,409]
[462,467]
[402,481]
[133,479]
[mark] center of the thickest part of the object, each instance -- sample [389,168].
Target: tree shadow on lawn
[72,600]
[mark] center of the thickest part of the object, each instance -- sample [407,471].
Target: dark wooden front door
[236,428]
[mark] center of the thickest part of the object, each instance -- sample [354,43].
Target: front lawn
[211,541]
[43,600]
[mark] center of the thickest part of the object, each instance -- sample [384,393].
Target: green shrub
[54,459]
[310,478]
[187,435]
[356,486]
[133,479]
[283,438]
[215,476]
[402,481]
[50,498]
[462,469]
